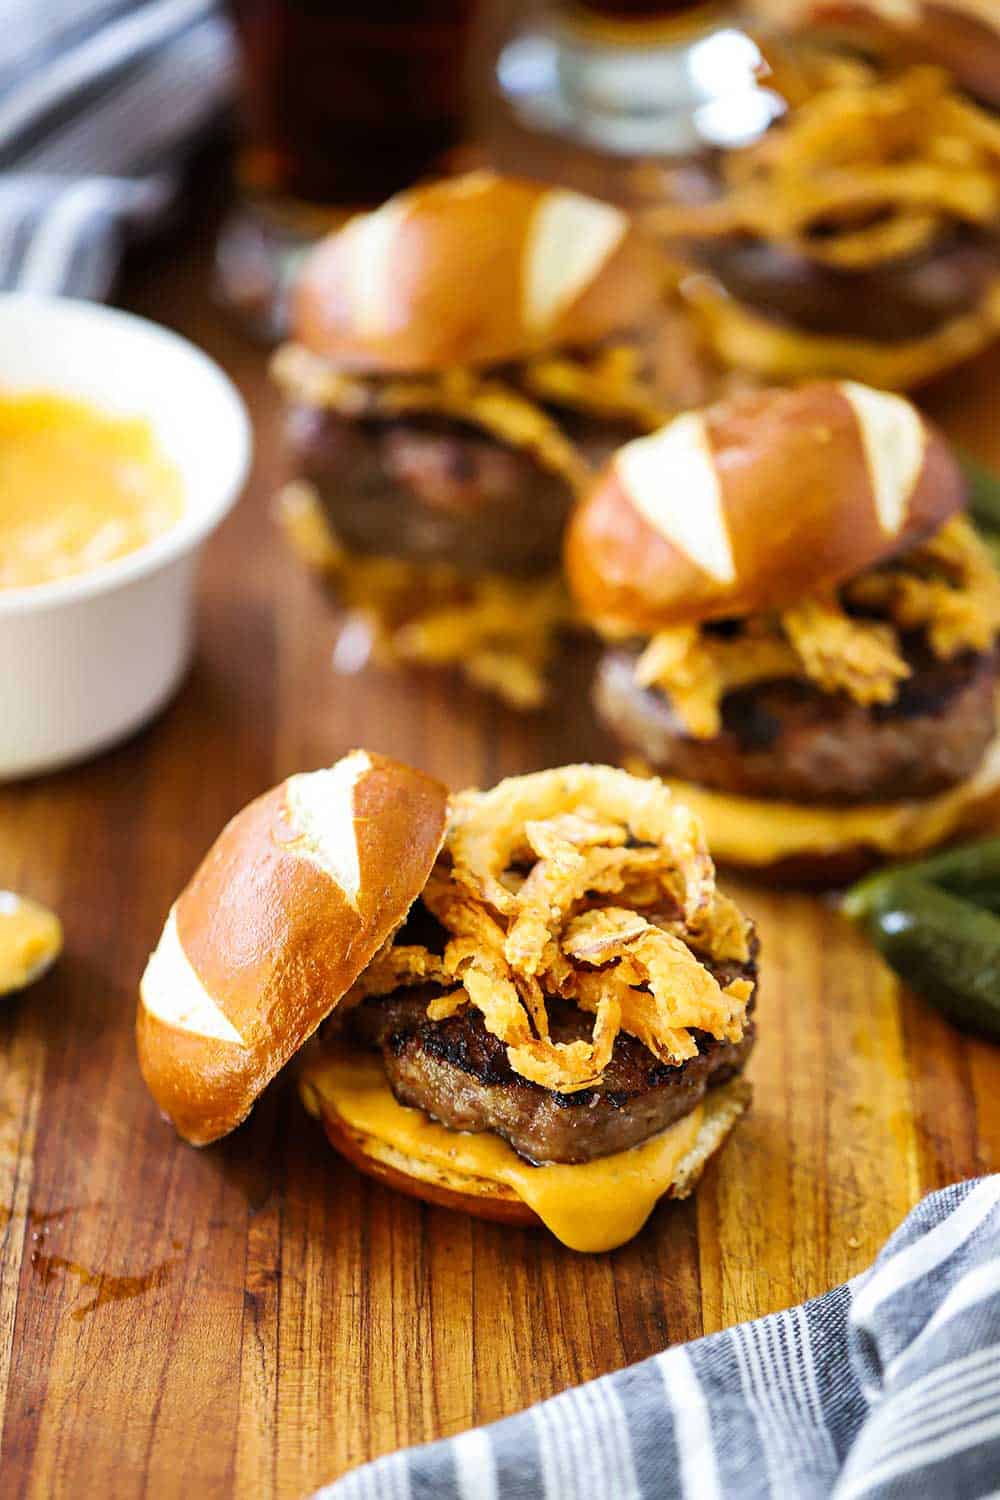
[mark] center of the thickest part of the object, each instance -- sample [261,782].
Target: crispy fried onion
[844,655]
[499,632]
[641,378]
[463,395]
[587,884]
[696,669]
[609,384]
[948,588]
[641,381]
[866,170]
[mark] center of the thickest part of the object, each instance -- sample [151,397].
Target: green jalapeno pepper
[983,493]
[930,924]
[971,871]
[937,922]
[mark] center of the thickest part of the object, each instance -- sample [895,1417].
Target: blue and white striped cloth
[887,1387]
[99,103]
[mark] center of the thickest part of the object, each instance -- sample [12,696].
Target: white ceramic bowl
[87,659]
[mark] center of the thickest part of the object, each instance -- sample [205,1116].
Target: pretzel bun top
[473,270]
[754,503]
[290,904]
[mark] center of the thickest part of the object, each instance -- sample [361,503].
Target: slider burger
[858,237]
[461,357]
[802,626]
[537,1003]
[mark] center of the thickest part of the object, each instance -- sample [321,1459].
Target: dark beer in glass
[342,103]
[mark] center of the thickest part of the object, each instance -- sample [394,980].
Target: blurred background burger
[462,358]
[801,623]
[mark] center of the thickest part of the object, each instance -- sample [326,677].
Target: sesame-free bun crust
[755,503]
[496,1201]
[470,271]
[292,901]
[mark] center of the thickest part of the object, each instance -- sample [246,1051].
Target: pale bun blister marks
[473,270]
[290,904]
[756,503]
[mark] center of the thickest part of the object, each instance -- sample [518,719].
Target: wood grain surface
[253,1319]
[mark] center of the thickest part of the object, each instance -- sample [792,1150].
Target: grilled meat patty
[431,490]
[896,301]
[458,1073]
[789,740]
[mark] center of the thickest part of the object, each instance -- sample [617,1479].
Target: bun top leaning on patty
[298,908]
[298,893]
[473,270]
[755,503]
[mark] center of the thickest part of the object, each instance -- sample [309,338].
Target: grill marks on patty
[790,741]
[457,1072]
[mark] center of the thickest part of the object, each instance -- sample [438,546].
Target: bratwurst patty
[431,490]
[458,1072]
[789,740]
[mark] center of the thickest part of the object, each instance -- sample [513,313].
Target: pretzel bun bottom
[472,1195]
[496,1202]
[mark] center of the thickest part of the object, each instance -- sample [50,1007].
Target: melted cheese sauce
[78,488]
[30,940]
[755,832]
[595,1206]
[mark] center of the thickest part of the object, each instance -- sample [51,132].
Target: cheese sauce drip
[78,488]
[593,1206]
[30,940]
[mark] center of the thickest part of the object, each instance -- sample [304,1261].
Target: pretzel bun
[406,1174]
[486,1199]
[473,270]
[754,503]
[290,904]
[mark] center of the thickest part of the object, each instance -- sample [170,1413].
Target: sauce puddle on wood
[109,1288]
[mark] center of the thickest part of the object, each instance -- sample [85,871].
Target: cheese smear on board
[79,488]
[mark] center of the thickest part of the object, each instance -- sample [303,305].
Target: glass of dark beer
[343,102]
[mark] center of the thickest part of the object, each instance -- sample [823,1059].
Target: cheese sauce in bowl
[122,448]
[78,488]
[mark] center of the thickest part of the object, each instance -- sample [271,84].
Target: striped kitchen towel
[99,103]
[887,1387]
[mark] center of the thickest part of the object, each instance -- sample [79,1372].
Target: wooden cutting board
[253,1319]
